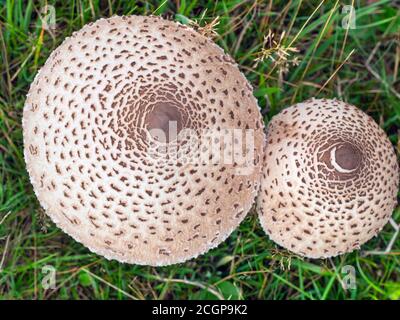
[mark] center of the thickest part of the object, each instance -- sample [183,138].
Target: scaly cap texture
[330,179]
[96,170]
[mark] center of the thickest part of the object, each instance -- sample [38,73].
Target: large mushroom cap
[330,179]
[98,172]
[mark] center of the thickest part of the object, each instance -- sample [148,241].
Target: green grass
[357,65]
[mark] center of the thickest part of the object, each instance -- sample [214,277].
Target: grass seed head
[273,49]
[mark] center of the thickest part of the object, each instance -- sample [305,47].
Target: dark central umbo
[348,156]
[164,121]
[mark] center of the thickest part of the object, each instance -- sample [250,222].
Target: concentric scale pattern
[94,162]
[330,178]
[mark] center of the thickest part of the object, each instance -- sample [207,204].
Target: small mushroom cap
[93,128]
[330,179]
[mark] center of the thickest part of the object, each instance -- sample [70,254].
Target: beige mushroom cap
[96,170]
[330,179]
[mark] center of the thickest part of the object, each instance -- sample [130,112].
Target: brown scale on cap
[330,179]
[96,170]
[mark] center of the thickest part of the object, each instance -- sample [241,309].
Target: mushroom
[107,148]
[330,179]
